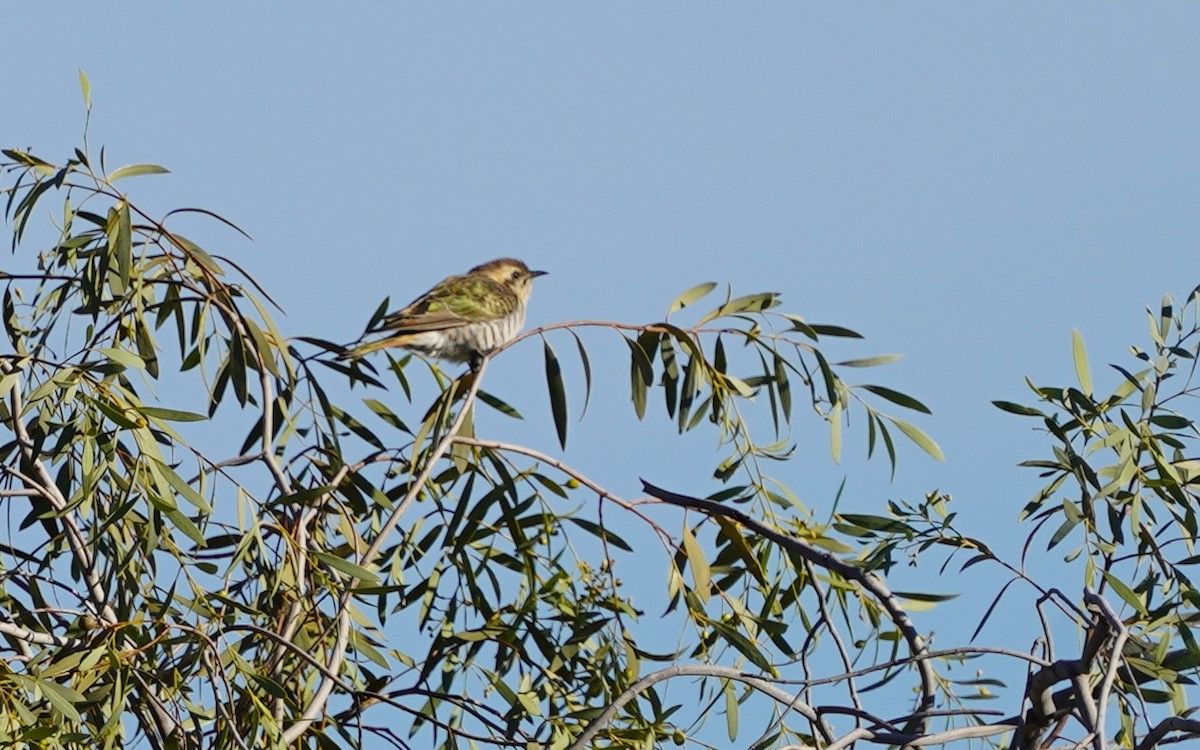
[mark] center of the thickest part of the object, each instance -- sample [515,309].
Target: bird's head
[510,272]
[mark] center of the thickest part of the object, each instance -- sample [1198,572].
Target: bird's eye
[516,275]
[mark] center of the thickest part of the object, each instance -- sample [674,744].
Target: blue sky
[962,183]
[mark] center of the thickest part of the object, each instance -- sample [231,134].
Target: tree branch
[790,702]
[850,572]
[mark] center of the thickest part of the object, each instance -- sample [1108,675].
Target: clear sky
[961,182]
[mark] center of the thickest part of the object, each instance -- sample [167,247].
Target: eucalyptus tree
[362,566]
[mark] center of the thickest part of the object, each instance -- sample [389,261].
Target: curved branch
[923,740]
[850,572]
[1190,727]
[788,700]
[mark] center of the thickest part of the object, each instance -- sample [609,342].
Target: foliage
[349,572]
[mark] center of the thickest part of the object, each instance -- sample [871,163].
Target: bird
[461,319]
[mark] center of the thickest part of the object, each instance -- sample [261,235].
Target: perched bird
[461,319]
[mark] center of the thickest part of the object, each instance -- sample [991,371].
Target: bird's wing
[452,303]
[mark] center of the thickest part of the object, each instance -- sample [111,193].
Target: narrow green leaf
[181,487]
[587,373]
[784,388]
[499,405]
[133,170]
[1127,594]
[558,394]
[1013,408]
[897,397]
[62,698]
[120,246]
[918,596]
[835,433]
[737,542]
[347,567]
[744,645]
[1082,371]
[919,437]
[85,86]
[701,573]
[838,331]
[171,415]
[387,415]
[122,357]
[184,524]
[695,293]
[748,303]
[882,359]
[600,532]
[831,391]
[197,253]
[731,711]
[641,374]
[1171,421]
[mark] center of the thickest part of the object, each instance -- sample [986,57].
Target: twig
[850,572]
[697,670]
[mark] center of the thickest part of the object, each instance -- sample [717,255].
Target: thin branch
[908,739]
[41,639]
[698,670]
[850,572]
[1116,657]
[1190,727]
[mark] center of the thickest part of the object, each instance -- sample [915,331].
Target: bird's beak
[535,274]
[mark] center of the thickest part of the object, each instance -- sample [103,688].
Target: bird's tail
[355,351]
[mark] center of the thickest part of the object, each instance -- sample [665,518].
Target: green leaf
[120,246]
[198,254]
[641,374]
[838,331]
[587,373]
[918,596]
[835,433]
[701,573]
[123,358]
[184,524]
[1171,421]
[1127,594]
[387,415]
[499,405]
[918,436]
[1082,371]
[1013,408]
[831,380]
[744,645]
[695,293]
[558,394]
[184,489]
[882,359]
[171,415]
[133,170]
[600,532]
[347,567]
[61,697]
[897,397]
[85,86]
[731,711]
[748,303]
